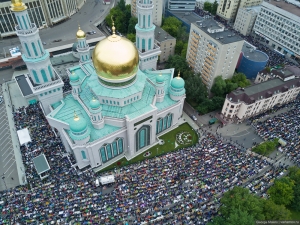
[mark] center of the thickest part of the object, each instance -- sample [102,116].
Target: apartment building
[181,5]
[213,50]
[157,10]
[276,90]
[279,24]
[166,42]
[42,13]
[245,19]
[228,9]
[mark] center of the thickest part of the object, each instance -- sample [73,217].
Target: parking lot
[8,165]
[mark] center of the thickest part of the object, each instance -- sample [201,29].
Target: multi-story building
[166,43]
[213,50]
[181,5]
[42,13]
[273,90]
[200,3]
[228,9]
[284,73]
[245,19]
[279,24]
[157,10]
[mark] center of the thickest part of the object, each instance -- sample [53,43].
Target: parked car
[194,117]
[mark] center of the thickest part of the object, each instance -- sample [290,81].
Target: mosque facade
[119,104]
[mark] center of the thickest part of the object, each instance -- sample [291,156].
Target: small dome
[78,124]
[80,33]
[177,83]
[17,6]
[160,78]
[74,77]
[94,103]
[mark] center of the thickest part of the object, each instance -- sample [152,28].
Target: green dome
[74,77]
[94,103]
[160,78]
[177,83]
[78,124]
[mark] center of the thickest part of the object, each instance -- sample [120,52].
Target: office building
[157,10]
[278,23]
[245,19]
[228,9]
[280,87]
[166,43]
[213,50]
[181,5]
[42,13]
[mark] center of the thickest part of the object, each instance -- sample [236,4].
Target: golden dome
[80,33]
[17,5]
[115,58]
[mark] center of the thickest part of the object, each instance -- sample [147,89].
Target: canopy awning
[107,179]
[23,136]
[282,142]
[41,164]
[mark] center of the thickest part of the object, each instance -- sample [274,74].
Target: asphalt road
[92,13]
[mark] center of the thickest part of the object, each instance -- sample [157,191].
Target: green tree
[294,174]
[240,198]
[241,80]
[207,6]
[230,86]
[203,107]
[184,50]
[218,220]
[195,89]
[182,35]
[217,102]
[131,25]
[238,216]
[121,5]
[131,37]
[275,212]
[179,63]
[171,25]
[219,87]
[179,47]
[282,192]
[214,7]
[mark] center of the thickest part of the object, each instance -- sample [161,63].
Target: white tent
[282,142]
[24,136]
[107,179]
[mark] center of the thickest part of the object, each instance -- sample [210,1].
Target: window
[149,18]
[149,44]
[103,154]
[115,149]
[83,155]
[36,78]
[34,49]
[50,72]
[44,75]
[27,49]
[109,153]
[120,145]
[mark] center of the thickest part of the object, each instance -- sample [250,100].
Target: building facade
[157,10]
[166,43]
[245,19]
[145,35]
[278,23]
[213,50]
[181,5]
[42,13]
[273,88]
[42,83]
[228,9]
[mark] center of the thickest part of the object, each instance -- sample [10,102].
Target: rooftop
[254,55]
[289,7]
[162,35]
[255,9]
[285,72]
[23,84]
[262,90]
[220,34]
[41,164]
[187,16]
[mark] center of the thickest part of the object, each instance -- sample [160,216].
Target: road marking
[10,166]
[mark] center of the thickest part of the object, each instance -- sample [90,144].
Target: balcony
[31,30]
[145,5]
[146,53]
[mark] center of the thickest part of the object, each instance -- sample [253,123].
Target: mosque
[119,104]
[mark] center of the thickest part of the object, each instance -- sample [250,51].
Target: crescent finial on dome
[76,117]
[178,74]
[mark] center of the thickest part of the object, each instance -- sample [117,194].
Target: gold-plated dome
[17,6]
[80,33]
[115,58]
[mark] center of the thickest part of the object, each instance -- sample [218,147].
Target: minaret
[43,80]
[83,48]
[145,28]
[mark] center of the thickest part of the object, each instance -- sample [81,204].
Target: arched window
[109,153]
[19,21]
[120,146]
[149,44]
[144,21]
[149,18]
[50,72]
[140,20]
[36,78]
[143,45]
[24,22]
[138,42]
[165,123]
[142,138]
[115,148]
[34,49]
[28,20]
[170,120]
[41,49]
[44,75]
[103,154]
[83,155]
[27,49]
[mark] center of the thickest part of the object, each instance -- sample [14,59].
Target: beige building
[213,50]
[276,90]
[157,11]
[228,9]
[245,19]
[42,13]
[166,42]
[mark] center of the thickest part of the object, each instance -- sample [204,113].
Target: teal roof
[56,104]
[177,83]
[74,77]
[94,103]
[41,164]
[160,78]
[78,124]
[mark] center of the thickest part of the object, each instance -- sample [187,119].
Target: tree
[230,86]
[241,80]
[179,63]
[121,5]
[184,50]
[207,6]
[182,35]
[218,220]
[131,25]
[171,25]
[238,216]
[196,90]
[217,102]
[214,7]
[282,192]
[131,37]
[202,108]
[275,212]
[179,47]
[219,87]
[294,174]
